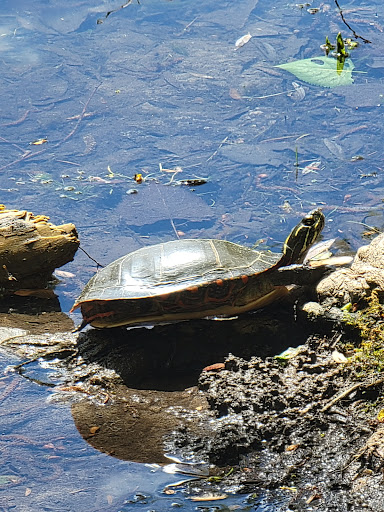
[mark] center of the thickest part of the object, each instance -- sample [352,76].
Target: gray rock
[355,283]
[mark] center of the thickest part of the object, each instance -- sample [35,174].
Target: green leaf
[322,71]
[289,353]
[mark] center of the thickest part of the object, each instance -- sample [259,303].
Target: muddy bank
[309,427]
[306,428]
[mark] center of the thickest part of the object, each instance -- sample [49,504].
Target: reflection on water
[46,465]
[160,85]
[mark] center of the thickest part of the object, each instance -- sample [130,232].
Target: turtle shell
[186,279]
[180,279]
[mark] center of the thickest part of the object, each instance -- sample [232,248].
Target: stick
[350,390]
[349,26]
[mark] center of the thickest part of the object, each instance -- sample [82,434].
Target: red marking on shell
[193,289]
[219,282]
[90,319]
[244,279]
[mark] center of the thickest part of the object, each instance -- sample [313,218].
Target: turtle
[194,278]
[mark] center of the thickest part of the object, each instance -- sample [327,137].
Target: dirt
[287,429]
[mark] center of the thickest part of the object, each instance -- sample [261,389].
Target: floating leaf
[322,71]
[242,41]
[340,49]
[38,142]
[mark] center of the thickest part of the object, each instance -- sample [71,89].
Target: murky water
[93,94]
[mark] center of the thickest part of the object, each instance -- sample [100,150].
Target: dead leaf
[234,94]
[242,41]
[209,497]
[214,367]
[292,447]
[338,357]
[94,430]
[312,167]
[38,142]
[64,273]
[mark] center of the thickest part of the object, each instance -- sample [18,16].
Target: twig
[90,257]
[169,213]
[25,156]
[189,24]
[217,150]
[9,389]
[351,390]
[81,117]
[349,26]
[18,121]
[12,143]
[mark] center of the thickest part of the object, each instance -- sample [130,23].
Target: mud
[287,428]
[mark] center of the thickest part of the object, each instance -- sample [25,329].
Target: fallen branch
[359,385]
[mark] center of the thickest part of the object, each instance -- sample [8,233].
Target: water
[118,91]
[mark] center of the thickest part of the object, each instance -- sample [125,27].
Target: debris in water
[242,41]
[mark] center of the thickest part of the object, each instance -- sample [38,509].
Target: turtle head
[302,237]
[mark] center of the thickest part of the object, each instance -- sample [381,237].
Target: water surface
[158,88]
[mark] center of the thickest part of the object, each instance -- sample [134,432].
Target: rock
[355,283]
[31,248]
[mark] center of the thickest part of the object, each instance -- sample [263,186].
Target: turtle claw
[81,326]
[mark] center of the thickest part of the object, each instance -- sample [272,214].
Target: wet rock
[31,248]
[355,283]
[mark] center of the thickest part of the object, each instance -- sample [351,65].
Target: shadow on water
[171,357]
[159,368]
[131,388]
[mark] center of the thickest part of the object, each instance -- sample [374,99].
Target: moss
[369,322]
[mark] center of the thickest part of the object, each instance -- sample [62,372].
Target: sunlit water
[157,87]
